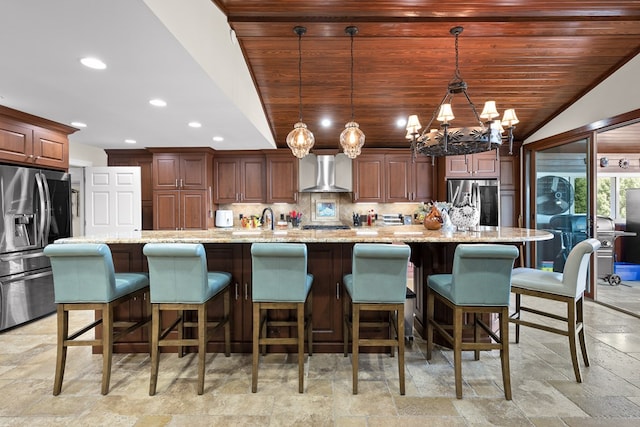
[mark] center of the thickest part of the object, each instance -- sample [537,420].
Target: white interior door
[113,202]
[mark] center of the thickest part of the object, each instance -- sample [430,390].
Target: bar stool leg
[61,358]
[355,337]
[256,348]
[400,334]
[155,337]
[107,345]
[202,345]
[300,319]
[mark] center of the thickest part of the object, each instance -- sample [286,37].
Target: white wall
[85,155]
[618,94]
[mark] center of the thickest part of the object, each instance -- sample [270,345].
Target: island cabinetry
[479,165]
[129,258]
[182,189]
[239,178]
[144,160]
[327,263]
[282,177]
[234,259]
[33,141]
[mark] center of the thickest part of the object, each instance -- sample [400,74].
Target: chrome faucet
[262,218]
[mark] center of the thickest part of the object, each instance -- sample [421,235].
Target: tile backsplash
[306,205]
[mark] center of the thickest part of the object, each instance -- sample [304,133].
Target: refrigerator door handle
[45,185]
[42,220]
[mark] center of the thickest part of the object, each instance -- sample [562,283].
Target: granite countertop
[388,234]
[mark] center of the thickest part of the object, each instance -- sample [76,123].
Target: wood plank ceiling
[537,56]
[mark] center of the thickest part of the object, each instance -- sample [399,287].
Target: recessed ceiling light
[94,63]
[325,123]
[79,124]
[158,102]
[218,138]
[195,124]
[401,122]
[130,141]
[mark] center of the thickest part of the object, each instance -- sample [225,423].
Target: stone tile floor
[544,390]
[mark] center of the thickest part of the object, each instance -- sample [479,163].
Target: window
[612,194]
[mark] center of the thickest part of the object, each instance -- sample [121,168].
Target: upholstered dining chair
[280,282]
[479,284]
[180,282]
[567,287]
[378,282]
[84,279]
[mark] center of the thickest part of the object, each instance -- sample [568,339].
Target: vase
[465,215]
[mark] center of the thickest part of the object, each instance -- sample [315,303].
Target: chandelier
[352,137]
[446,141]
[300,139]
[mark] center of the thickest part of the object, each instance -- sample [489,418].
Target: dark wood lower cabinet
[328,262]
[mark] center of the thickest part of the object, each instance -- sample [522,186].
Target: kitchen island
[329,258]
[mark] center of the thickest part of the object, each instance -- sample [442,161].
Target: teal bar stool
[567,287]
[378,282]
[479,284]
[84,279]
[180,282]
[280,282]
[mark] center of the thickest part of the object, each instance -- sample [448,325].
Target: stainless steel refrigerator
[483,193]
[36,210]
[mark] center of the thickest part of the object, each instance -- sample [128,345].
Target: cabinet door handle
[237,294]
[246,291]
[337,290]
[181,183]
[176,182]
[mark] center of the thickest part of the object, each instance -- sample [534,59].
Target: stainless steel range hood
[325,174]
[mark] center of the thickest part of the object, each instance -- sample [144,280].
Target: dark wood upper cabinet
[33,141]
[392,177]
[369,178]
[239,178]
[282,178]
[472,166]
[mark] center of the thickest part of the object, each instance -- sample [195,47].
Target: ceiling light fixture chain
[300,140]
[447,141]
[352,137]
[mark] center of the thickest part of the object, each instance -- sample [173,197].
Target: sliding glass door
[558,186]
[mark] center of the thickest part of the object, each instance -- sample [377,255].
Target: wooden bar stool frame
[304,326]
[205,329]
[112,331]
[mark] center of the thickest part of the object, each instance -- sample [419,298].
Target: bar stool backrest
[82,272]
[482,274]
[170,264]
[279,272]
[379,272]
[576,268]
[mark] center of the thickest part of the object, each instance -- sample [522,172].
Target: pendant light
[300,139]
[352,137]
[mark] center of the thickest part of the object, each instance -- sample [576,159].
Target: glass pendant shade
[300,140]
[352,140]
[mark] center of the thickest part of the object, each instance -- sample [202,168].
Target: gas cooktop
[325,227]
